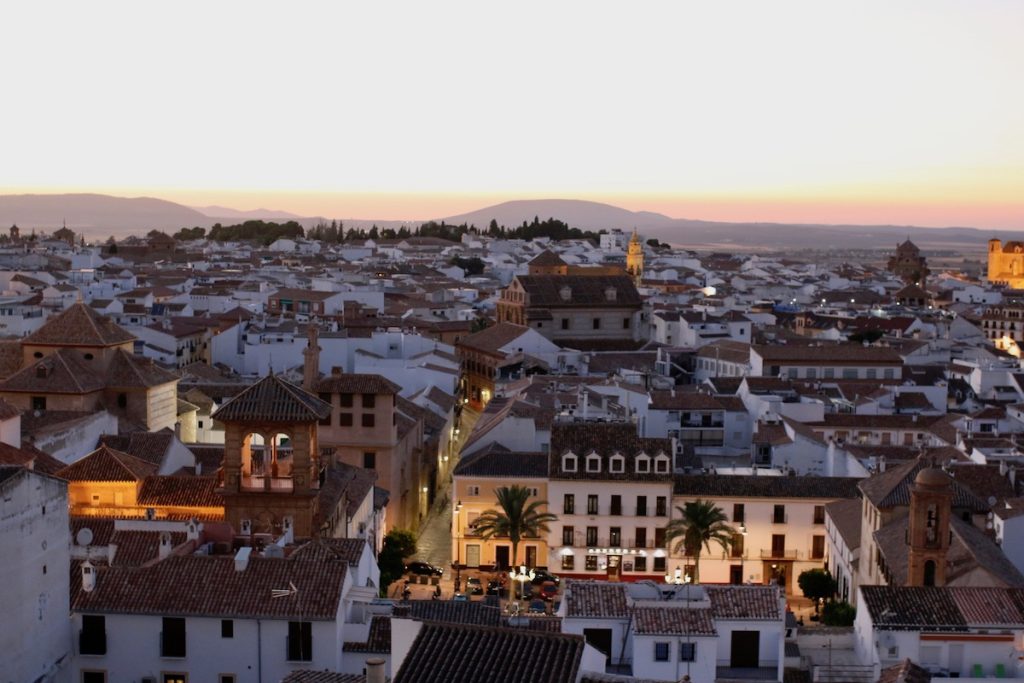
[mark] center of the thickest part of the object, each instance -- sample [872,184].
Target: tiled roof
[904,672]
[128,371]
[913,608]
[846,516]
[355,383]
[378,640]
[605,439]
[194,585]
[493,338]
[547,258]
[595,599]
[30,457]
[892,488]
[760,486]
[107,464]
[63,372]
[827,354]
[344,482]
[79,325]
[136,548]
[7,411]
[148,446]
[11,357]
[498,461]
[673,620]
[745,602]
[680,400]
[160,491]
[308,676]
[273,399]
[585,290]
[449,653]
[348,550]
[451,612]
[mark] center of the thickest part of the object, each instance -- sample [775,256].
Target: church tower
[311,358]
[635,258]
[271,468]
[931,502]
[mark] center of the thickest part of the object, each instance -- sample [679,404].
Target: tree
[700,523]
[517,517]
[816,584]
[399,544]
[838,614]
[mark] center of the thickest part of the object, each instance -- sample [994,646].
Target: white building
[36,639]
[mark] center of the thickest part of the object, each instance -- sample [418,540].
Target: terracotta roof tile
[760,486]
[584,290]
[745,602]
[128,371]
[107,464]
[180,491]
[79,325]
[673,620]
[273,399]
[356,383]
[378,640]
[493,338]
[63,372]
[595,599]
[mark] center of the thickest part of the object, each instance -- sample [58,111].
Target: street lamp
[522,576]
[743,550]
[458,545]
[675,578]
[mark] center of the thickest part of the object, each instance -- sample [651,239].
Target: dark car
[540,576]
[473,586]
[538,607]
[496,588]
[423,569]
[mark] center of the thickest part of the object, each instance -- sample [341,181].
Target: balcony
[780,554]
[259,482]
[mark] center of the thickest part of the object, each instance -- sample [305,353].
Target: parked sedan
[423,569]
[473,586]
[540,576]
[496,588]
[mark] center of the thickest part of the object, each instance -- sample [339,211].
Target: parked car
[542,575]
[538,607]
[548,590]
[423,569]
[460,597]
[495,588]
[473,586]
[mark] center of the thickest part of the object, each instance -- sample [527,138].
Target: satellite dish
[992,501]
[84,536]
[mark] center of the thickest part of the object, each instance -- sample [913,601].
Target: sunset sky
[888,112]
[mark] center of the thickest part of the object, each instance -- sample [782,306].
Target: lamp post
[522,576]
[743,554]
[458,545]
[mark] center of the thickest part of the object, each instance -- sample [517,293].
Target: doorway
[601,640]
[736,574]
[501,556]
[472,555]
[614,567]
[746,650]
[531,556]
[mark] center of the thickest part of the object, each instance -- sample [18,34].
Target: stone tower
[931,503]
[908,264]
[271,468]
[311,358]
[635,258]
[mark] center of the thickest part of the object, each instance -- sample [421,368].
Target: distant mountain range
[99,216]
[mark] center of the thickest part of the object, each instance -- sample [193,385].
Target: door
[746,649]
[501,555]
[614,567]
[472,556]
[956,658]
[778,545]
[531,556]
[601,640]
[736,574]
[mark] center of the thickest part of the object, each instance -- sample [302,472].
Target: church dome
[932,477]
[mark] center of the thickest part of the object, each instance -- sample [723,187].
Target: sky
[842,112]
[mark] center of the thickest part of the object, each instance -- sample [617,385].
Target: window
[300,641]
[92,639]
[687,652]
[736,549]
[174,678]
[661,652]
[38,403]
[122,400]
[569,463]
[593,463]
[344,419]
[641,506]
[94,677]
[369,420]
[473,490]
[345,400]
[369,400]
[616,505]
[819,514]
[625,323]
[661,464]
[591,563]
[569,504]
[591,535]
[659,537]
[779,514]
[640,563]
[737,512]
[565,323]
[227,628]
[617,464]
[369,460]
[568,535]
[568,562]
[643,464]
[227,678]
[849,373]
[659,564]
[640,541]
[818,547]
[615,536]
[597,323]
[592,505]
[172,638]
[661,506]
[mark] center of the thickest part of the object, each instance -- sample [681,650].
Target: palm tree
[700,523]
[516,517]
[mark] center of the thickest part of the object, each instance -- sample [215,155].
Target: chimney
[881,463]
[375,670]
[165,545]
[565,293]
[193,529]
[88,576]
[1003,468]
[177,430]
[336,370]
[242,558]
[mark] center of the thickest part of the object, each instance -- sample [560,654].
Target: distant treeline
[335,232]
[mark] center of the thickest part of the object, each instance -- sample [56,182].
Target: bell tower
[271,466]
[931,504]
[311,358]
[635,258]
